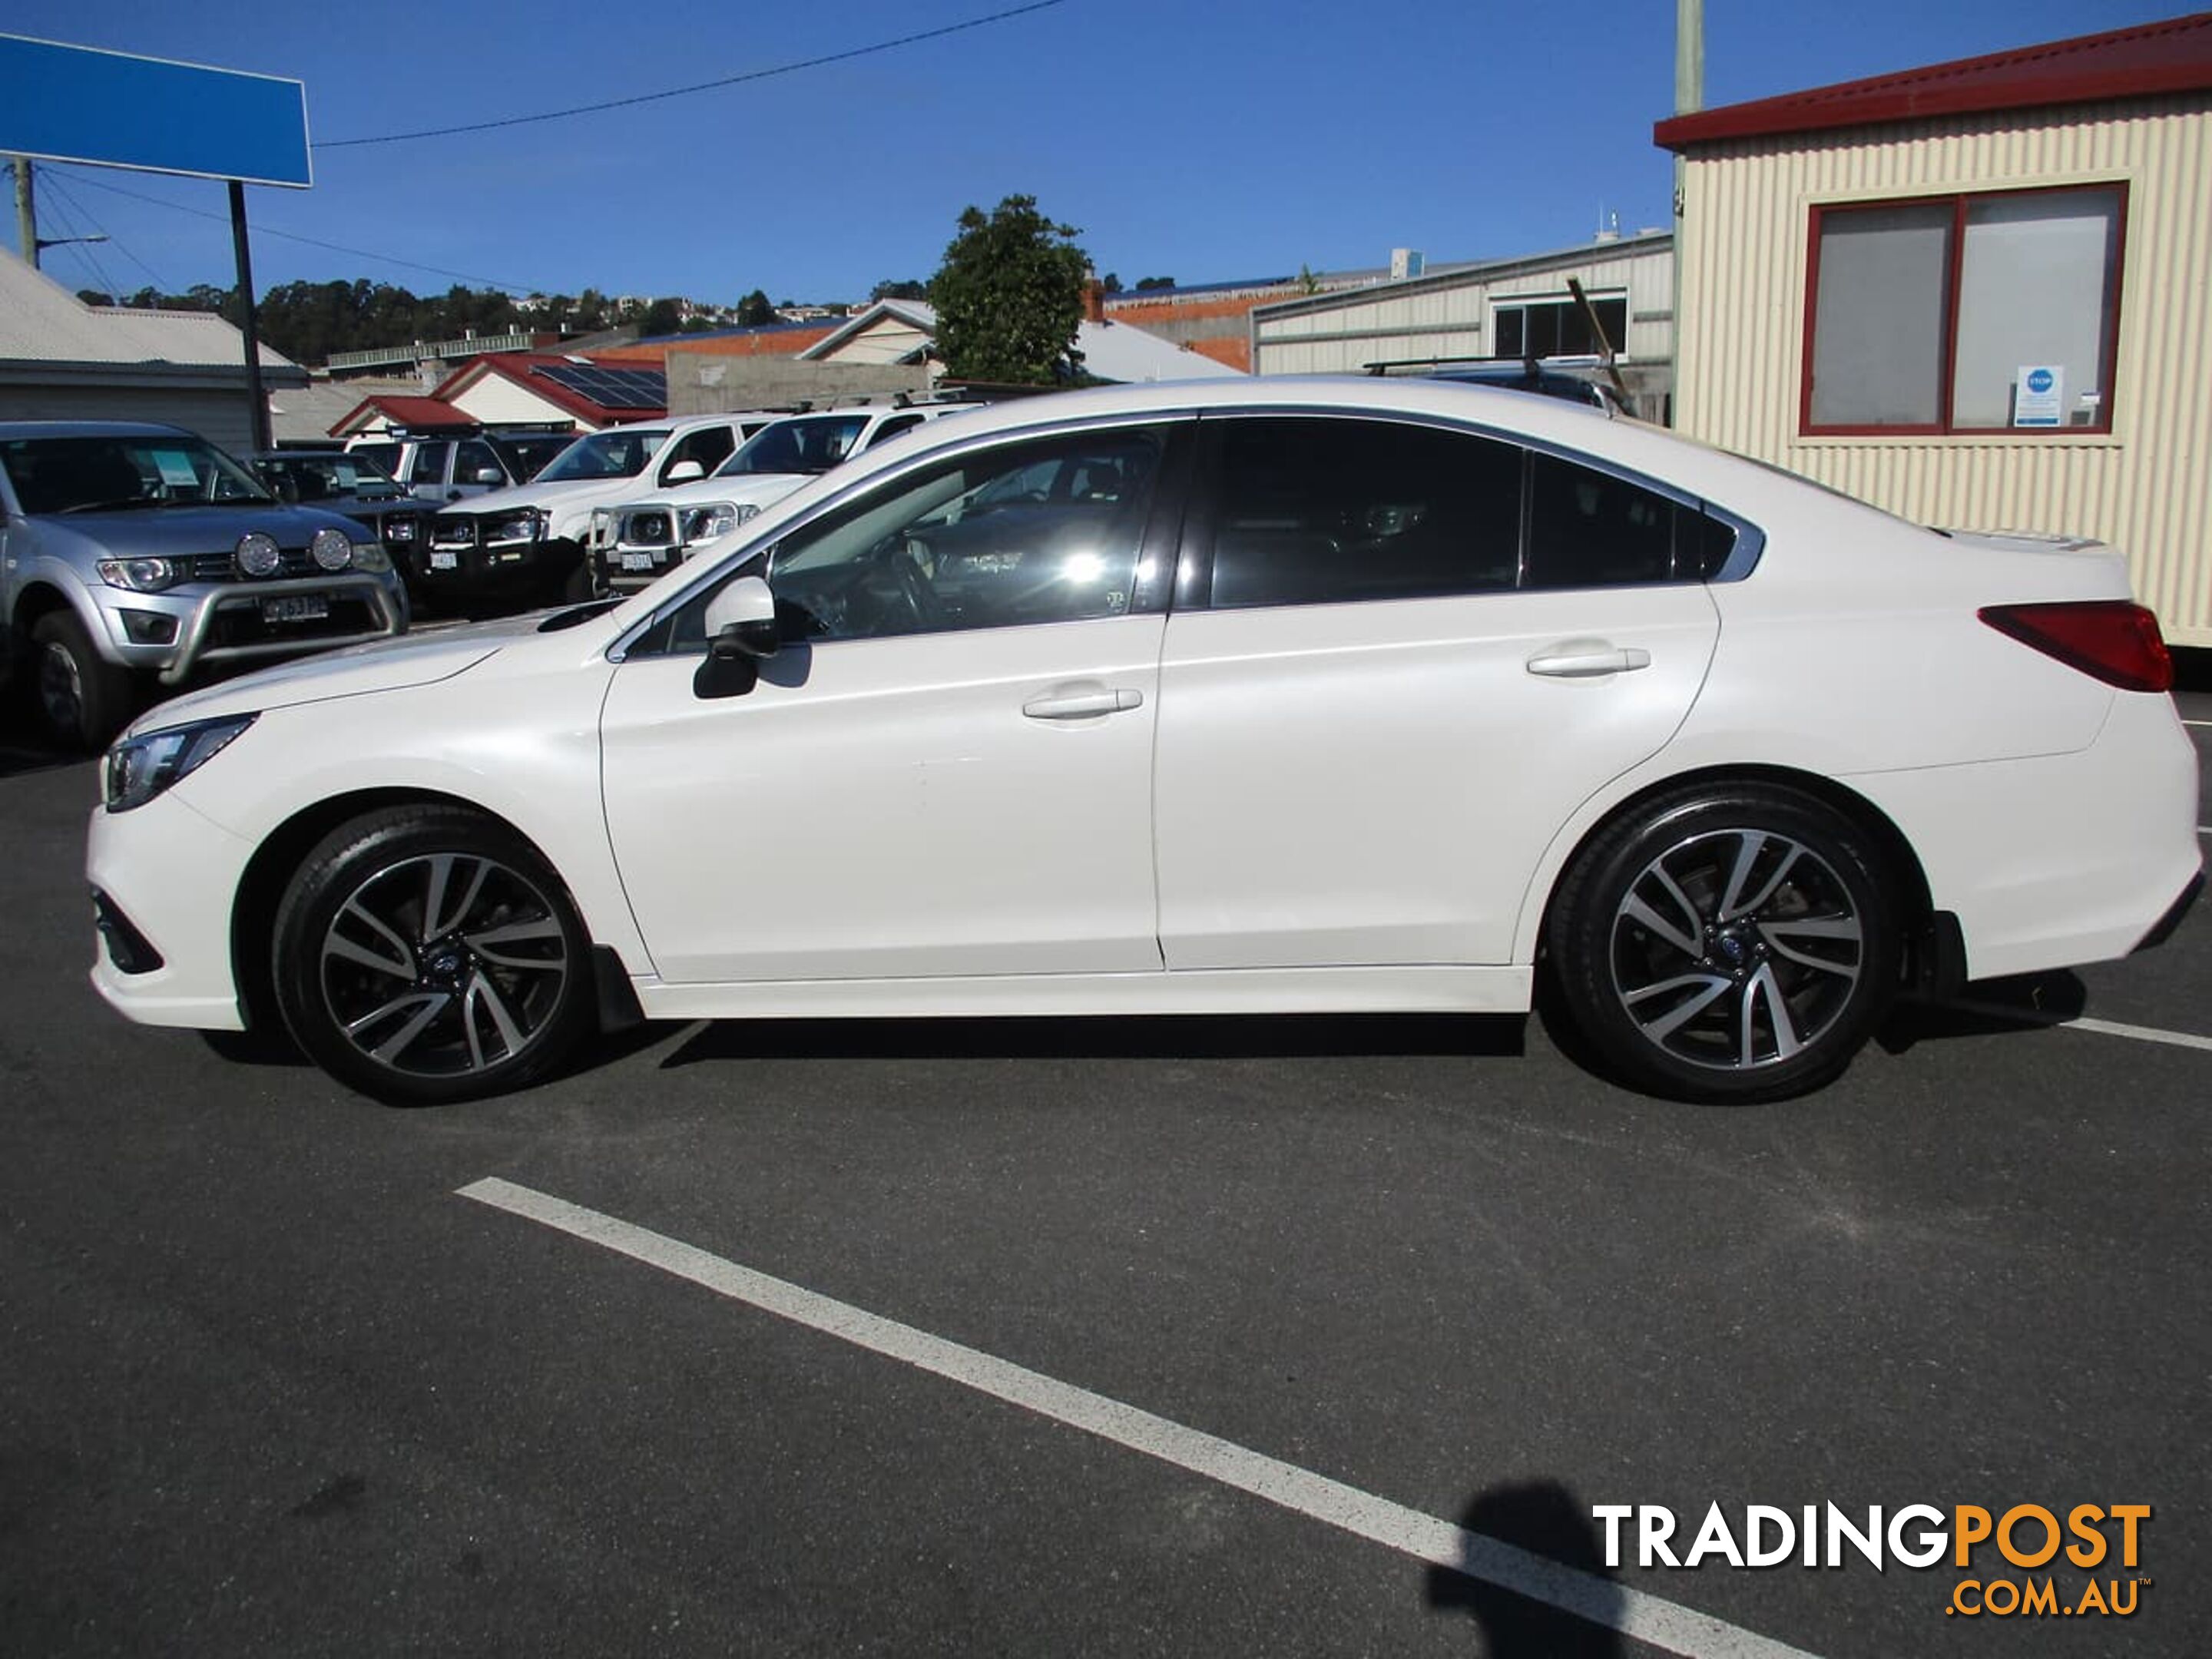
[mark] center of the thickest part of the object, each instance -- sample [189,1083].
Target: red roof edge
[2173,55]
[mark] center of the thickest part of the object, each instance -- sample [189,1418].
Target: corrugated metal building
[1975,294]
[1499,307]
[61,360]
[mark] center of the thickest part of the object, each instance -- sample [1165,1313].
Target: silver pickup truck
[133,555]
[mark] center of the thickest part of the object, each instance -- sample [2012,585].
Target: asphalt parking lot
[1140,1336]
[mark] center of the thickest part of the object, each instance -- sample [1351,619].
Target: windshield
[113,473]
[805,443]
[620,453]
[323,477]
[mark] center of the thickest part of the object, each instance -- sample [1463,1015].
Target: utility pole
[26,216]
[1689,95]
[249,321]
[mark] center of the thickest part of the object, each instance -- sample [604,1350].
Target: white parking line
[2102,1027]
[1634,1612]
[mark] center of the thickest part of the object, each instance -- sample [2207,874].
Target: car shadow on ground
[1543,1519]
[1986,1007]
[1128,1036]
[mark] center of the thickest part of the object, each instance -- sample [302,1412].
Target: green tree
[908,290]
[1009,296]
[661,316]
[754,311]
[1146,284]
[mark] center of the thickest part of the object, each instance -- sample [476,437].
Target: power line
[334,247]
[54,182]
[80,244]
[702,86]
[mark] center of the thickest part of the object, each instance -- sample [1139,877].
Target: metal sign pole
[249,325]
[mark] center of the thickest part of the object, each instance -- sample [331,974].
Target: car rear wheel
[80,698]
[428,954]
[1731,944]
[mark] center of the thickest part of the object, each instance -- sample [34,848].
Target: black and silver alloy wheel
[427,954]
[1736,948]
[1728,942]
[444,964]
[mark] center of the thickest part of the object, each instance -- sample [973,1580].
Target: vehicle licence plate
[637,560]
[295,608]
[445,561]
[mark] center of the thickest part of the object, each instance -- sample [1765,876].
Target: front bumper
[168,875]
[455,559]
[232,622]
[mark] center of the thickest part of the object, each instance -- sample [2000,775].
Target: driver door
[945,770]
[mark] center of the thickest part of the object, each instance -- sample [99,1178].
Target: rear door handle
[1083,705]
[1589,665]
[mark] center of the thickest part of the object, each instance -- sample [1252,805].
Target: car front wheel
[429,954]
[1730,943]
[81,700]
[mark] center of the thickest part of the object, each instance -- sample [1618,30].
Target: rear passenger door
[1401,656]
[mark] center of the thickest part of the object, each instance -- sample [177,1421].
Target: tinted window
[1590,529]
[710,445]
[476,457]
[428,465]
[1319,512]
[893,426]
[383,455]
[1048,531]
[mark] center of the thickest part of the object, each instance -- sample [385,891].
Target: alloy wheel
[445,964]
[1737,949]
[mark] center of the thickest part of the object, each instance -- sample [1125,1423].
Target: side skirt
[1212,991]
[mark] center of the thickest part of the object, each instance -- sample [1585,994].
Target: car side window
[476,457]
[1590,529]
[953,547]
[428,465]
[710,445]
[893,426]
[1311,510]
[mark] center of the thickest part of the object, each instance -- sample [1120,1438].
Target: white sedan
[1278,695]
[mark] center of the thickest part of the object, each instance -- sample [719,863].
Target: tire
[426,954]
[79,699]
[1726,943]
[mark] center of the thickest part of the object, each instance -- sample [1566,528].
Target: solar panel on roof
[612,388]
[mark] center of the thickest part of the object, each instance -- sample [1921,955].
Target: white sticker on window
[176,467]
[2039,394]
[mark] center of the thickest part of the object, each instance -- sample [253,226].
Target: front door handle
[1589,665]
[1083,705]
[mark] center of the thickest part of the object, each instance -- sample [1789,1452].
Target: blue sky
[1206,141]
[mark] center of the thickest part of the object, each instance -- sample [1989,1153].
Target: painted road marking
[1634,1612]
[2102,1027]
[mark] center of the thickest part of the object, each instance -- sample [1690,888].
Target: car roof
[91,429]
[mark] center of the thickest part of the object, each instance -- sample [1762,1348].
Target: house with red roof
[1972,293]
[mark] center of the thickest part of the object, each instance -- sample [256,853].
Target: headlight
[705,524]
[399,528]
[372,557]
[139,769]
[333,549]
[139,575]
[514,527]
[259,554]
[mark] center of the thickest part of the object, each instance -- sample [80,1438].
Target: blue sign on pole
[109,108]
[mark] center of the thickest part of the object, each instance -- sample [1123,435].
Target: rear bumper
[2162,930]
[2057,860]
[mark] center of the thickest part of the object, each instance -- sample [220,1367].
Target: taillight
[2111,640]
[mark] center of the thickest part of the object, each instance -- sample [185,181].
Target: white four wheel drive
[634,543]
[1296,695]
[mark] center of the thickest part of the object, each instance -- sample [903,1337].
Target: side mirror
[490,475]
[683,473]
[741,630]
[740,620]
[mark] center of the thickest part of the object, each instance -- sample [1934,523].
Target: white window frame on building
[1559,308]
[1966,313]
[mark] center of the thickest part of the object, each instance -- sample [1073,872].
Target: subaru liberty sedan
[1273,695]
